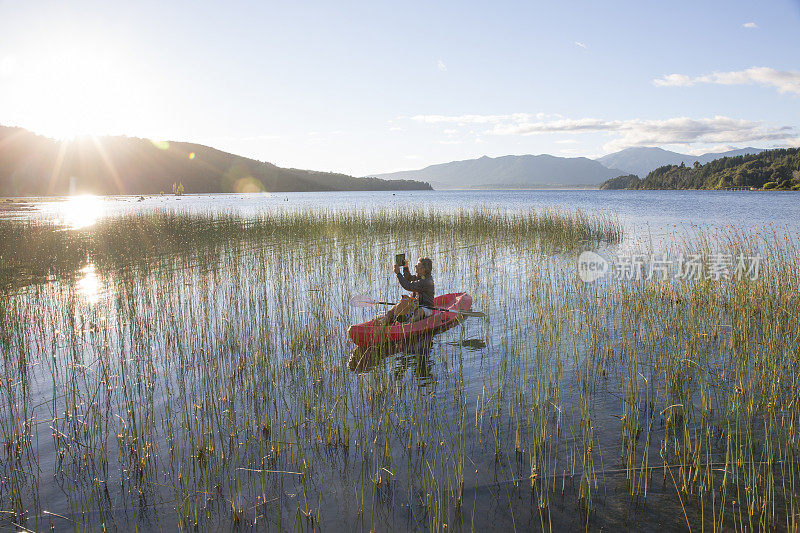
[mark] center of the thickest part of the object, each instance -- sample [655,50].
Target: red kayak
[367,333]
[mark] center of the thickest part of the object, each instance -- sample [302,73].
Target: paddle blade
[362,300]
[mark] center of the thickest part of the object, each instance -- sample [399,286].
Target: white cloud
[684,131]
[793,142]
[634,132]
[582,45]
[566,141]
[440,65]
[786,81]
[715,149]
[553,126]
[674,80]
[749,25]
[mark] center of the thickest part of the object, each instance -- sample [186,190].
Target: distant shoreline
[10,200]
[523,188]
[769,170]
[65,197]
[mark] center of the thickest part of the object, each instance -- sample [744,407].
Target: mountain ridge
[546,170]
[543,170]
[33,165]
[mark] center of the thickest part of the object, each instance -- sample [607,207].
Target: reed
[198,376]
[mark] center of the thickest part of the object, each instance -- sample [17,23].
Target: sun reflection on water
[81,211]
[88,285]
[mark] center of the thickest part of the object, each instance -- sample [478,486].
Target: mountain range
[31,165]
[511,171]
[552,171]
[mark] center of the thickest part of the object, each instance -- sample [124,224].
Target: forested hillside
[771,169]
[31,165]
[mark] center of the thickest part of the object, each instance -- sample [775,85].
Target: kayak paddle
[362,300]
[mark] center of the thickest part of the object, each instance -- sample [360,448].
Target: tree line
[769,170]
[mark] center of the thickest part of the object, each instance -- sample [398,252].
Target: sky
[372,87]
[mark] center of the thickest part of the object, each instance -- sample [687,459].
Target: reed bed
[188,372]
[49,249]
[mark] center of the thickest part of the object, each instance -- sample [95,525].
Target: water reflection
[81,211]
[413,353]
[88,286]
[471,344]
[416,356]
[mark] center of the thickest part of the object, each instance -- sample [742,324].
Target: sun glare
[88,285]
[80,211]
[65,87]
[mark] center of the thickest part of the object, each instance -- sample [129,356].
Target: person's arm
[409,285]
[407,274]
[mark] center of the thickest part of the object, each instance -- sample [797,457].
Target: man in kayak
[417,306]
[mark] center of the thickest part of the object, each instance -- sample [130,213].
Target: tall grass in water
[134,239]
[206,383]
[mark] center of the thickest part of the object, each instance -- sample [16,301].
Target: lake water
[642,212]
[187,389]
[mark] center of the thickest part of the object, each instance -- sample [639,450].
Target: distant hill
[629,181]
[642,160]
[769,169]
[511,171]
[31,165]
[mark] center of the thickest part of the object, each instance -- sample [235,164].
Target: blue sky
[372,87]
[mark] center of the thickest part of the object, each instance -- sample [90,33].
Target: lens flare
[247,185]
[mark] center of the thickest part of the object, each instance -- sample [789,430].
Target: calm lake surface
[189,391]
[642,212]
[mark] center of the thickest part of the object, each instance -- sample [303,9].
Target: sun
[64,87]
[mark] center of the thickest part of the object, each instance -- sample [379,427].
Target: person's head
[424,267]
